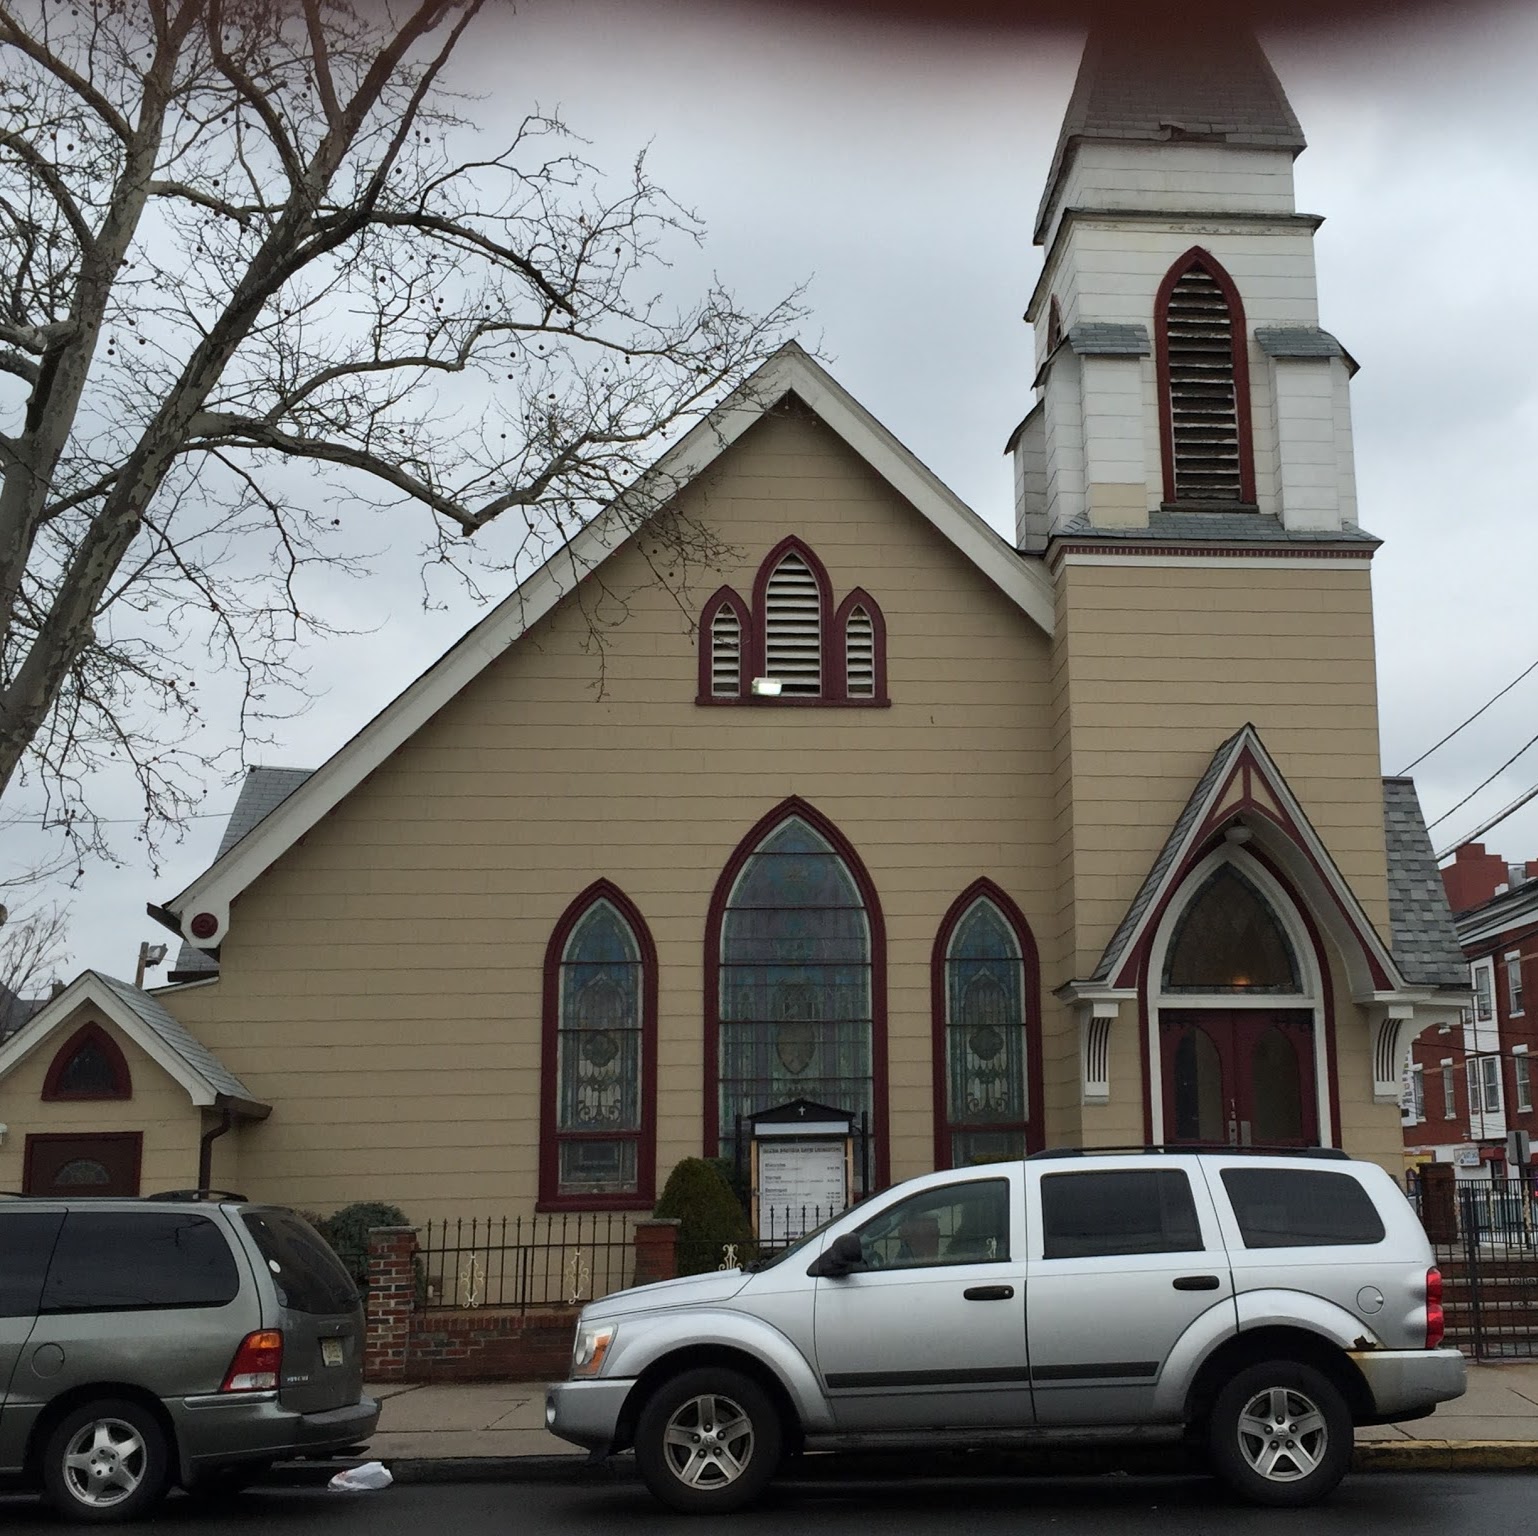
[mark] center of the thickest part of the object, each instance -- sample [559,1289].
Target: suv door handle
[1197,1283]
[988,1292]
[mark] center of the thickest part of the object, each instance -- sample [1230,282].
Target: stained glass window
[985,1038]
[88,1073]
[1229,940]
[795,998]
[598,1070]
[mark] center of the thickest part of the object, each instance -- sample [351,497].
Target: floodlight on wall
[767,687]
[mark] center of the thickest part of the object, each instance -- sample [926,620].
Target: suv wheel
[105,1461]
[1281,1434]
[708,1441]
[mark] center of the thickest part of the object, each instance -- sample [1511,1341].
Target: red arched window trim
[1035,1138]
[89,1034]
[757,652]
[645,1195]
[724,597]
[795,806]
[1197,257]
[859,598]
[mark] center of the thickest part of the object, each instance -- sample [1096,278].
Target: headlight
[592,1348]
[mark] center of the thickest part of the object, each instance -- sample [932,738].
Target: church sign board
[802,1167]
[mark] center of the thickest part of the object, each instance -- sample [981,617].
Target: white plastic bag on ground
[362,1479]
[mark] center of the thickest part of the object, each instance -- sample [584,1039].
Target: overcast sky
[899,172]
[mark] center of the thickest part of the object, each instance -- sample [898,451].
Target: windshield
[807,1240]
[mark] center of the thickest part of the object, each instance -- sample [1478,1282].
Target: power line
[1493,821]
[1471,719]
[1493,777]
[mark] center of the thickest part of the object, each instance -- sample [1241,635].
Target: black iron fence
[1485,1232]
[523,1262]
[779,1227]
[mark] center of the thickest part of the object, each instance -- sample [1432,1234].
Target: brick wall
[408,1343]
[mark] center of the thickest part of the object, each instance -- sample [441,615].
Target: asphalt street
[1479,1504]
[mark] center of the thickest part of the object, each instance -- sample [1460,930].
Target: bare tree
[32,952]
[237,239]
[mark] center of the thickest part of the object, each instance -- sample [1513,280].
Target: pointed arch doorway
[1237,1039]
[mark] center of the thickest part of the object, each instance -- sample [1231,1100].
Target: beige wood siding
[381,983]
[159,1108]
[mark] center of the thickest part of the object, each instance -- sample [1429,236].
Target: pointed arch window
[597,1142]
[89,1065]
[987,1050]
[1204,385]
[792,646]
[1229,939]
[794,976]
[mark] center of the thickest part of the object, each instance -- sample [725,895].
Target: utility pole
[149,954]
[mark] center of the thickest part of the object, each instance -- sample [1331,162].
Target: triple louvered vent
[860,655]
[793,627]
[726,654]
[1203,400]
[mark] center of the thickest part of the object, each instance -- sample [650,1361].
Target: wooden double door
[1240,1077]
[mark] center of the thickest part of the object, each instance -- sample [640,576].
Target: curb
[851,1467]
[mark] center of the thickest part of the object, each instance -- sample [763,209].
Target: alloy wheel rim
[708,1441]
[1283,1436]
[105,1463]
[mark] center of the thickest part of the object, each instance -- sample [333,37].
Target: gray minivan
[170,1340]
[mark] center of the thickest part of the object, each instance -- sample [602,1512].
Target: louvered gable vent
[860,655]
[726,653]
[1203,398]
[793,627]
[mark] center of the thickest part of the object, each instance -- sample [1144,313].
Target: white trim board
[790,371]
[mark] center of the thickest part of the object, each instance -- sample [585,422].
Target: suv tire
[105,1462]
[708,1441]
[1280,1434]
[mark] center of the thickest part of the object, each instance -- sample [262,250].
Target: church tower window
[1203,385]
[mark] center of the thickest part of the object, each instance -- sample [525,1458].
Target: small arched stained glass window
[598,1068]
[88,1074]
[985,1024]
[1228,939]
[81,1172]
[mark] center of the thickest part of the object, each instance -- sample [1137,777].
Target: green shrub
[347,1232]
[709,1214]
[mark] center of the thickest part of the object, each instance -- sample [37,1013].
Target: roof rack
[1200,1149]
[195,1194]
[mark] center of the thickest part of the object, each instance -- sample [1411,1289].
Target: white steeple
[1181,369]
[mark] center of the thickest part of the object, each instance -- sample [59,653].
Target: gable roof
[789,372]
[1425,933]
[15,1011]
[263,791]
[1163,82]
[1242,776]
[167,1041]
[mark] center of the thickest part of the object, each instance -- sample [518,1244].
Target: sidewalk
[502,1427]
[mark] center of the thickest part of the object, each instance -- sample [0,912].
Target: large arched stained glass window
[599,999]
[795,1004]
[985,1040]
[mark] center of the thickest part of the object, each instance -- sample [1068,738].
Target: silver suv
[169,1340]
[1261,1305]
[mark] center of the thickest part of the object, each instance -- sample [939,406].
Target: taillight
[257,1363]
[1435,1323]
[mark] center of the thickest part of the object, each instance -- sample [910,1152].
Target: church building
[991,844]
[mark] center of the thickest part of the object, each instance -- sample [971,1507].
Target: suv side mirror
[842,1255]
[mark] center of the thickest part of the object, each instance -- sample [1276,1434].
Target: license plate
[330,1351]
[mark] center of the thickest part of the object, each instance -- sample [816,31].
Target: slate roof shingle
[177,1036]
[1425,937]
[1160,84]
[1218,528]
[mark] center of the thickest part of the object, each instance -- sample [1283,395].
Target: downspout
[209,1137]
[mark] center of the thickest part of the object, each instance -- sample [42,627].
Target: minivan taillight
[257,1363]
[1435,1323]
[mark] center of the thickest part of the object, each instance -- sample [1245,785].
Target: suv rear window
[132,1261]
[308,1275]
[1085,1215]
[26,1240]
[1300,1208]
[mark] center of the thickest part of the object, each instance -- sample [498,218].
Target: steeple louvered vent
[860,655]
[726,654]
[1203,399]
[793,627]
